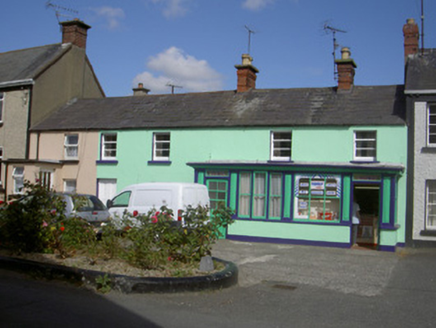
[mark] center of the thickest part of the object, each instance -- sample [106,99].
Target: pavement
[358,271]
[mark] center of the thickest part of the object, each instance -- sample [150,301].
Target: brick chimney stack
[411,38]
[346,70]
[140,90]
[246,74]
[75,32]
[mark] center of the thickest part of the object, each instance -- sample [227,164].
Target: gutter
[17,83]
[423,92]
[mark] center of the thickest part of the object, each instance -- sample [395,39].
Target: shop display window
[317,197]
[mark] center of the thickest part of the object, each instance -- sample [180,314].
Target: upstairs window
[281,146]
[431,134]
[161,146]
[365,146]
[109,146]
[18,176]
[71,146]
[1,106]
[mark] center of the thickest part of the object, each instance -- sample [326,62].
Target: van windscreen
[153,198]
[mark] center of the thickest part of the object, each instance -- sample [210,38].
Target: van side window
[122,200]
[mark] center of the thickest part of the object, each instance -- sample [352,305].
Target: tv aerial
[61,11]
[333,30]
[250,32]
[173,86]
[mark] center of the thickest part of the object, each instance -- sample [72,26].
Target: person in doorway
[355,222]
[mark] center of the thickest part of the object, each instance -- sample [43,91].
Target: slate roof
[365,105]
[421,71]
[28,63]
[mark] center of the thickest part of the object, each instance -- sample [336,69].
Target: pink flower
[44,224]
[154,219]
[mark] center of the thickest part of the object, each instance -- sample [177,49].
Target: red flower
[62,228]
[170,258]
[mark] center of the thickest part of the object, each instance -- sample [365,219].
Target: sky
[195,44]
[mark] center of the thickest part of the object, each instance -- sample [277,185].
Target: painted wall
[13,130]
[424,169]
[322,144]
[70,77]
[47,153]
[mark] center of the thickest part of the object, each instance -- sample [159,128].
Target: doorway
[218,194]
[368,198]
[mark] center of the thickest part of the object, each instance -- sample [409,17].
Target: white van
[141,198]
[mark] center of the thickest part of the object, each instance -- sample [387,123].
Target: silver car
[87,207]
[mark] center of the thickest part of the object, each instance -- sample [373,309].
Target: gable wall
[70,77]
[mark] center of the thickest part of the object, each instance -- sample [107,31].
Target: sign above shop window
[366,177]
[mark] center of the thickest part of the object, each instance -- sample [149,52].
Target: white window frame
[46,178]
[159,146]
[68,185]
[279,150]
[431,125]
[357,140]
[18,178]
[2,100]
[430,205]
[69,147]
[105,146]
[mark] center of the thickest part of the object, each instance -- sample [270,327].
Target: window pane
[275,199]
[122,200]
[72,139]
[244,194]
[259,194]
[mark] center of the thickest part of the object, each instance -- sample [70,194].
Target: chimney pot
[346,53]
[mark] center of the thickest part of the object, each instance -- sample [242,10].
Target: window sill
[159,162]
[70,161]
[364,161]
[103,161]
[428,150]
[429,233]
[389,227]
[280,161]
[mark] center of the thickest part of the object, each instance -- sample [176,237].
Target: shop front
[308,203]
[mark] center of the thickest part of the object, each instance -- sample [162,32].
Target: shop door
[217,194]
[368,198]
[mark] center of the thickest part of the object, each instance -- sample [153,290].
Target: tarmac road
[279,286]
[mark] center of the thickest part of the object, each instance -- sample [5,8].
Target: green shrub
[151,241]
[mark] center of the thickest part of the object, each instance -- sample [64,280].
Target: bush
[37,223]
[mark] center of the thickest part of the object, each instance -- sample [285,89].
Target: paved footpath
[357,271]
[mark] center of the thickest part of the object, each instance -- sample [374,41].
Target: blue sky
[196,43]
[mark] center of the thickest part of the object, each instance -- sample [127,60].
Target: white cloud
[256,4]
[111,15]
[176,67]
[173,8]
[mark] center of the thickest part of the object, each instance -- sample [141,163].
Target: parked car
[87,207]
[144,197]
